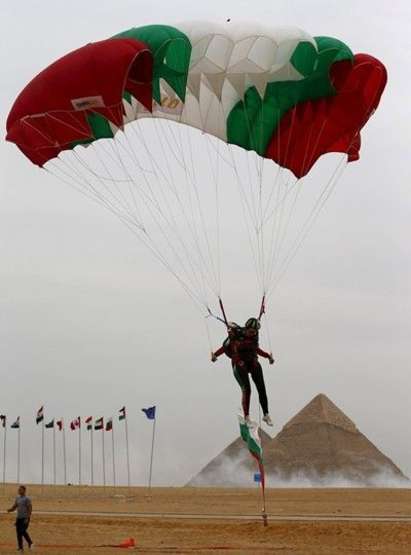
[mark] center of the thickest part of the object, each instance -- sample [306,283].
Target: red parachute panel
[331,124]
[51,112]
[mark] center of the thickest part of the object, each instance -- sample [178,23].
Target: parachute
[107,119]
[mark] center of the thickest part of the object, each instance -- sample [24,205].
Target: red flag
[74,424]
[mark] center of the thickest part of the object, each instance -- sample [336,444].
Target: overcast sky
[89,321]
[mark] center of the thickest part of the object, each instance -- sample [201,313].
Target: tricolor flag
[16,424]
[122,414]
[89,422]
[50,424]
[40,415]
[109,425]
[74,424]
[3,420]
[99,424]
[249,434]
[150,412]
[59,424]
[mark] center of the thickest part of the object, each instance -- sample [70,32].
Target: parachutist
[242,347]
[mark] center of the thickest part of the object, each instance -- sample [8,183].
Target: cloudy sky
[89,320]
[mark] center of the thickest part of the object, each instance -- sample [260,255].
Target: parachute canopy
[279,92]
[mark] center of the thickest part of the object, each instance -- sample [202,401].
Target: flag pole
[114,459]
[42,454]
[104,457]
[92,455]
[262,481]
[18,453]
[128,456]
[79,451]
[64,454]
[54,454]
[152,453]
[4,453]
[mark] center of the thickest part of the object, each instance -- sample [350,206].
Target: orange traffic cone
[128,542]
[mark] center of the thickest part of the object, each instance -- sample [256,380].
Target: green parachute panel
[100,128]
[171,50]
[253,120]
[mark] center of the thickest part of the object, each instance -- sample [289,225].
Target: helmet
[252,323]
[234,330]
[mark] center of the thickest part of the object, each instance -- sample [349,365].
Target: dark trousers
[21,530]
[241,374]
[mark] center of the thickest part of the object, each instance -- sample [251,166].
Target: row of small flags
[98,424]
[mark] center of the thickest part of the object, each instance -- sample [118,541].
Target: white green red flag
[249,434]
[74,424]
[59,425]
[3,419]
[99,424]
[109,425]
[122,413]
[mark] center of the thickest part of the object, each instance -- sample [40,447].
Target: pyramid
[319,446]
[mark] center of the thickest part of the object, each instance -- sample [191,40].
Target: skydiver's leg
[241,375]
[258,379]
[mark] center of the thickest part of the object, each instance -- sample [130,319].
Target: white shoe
[267,419]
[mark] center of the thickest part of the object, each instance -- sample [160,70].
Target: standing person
[24,509]
[243,349]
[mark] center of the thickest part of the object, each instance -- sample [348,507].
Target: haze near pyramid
[319,446]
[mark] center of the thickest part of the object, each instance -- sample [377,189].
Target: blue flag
[150,412]
[257,478]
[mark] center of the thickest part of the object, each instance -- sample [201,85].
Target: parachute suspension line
[277,239]
[262,308]
[171,149]
[195,200]
[189,276]
[195,265]
[298,189]
[131,226]
[261,229]
[197,252]
[278,211]
[194,221]
[78,186]
[202,219]
[308,224]
[256,213]
[247,217]
[113,181]
[220,302]
[215,174]
[84,183]
[191,223]
[278,228]
[207,327]
[148,202]
[223,158]
[280,239]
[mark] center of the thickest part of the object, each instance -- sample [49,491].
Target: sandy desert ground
[216,520]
